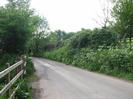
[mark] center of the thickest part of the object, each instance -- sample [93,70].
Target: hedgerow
[110,61]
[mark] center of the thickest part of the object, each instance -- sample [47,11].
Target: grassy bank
[115,62]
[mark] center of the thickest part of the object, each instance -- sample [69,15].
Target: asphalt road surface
[60,81]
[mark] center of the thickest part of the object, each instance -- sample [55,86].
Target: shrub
[6,58]
[80,40]
[29,67]
[103,37]
[110,61]
[24,91]
[93,39]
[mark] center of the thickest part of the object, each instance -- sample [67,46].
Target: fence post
[17,69]
[24,63]
[8,80]
[21,66]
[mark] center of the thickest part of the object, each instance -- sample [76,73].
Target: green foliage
[29,67]
[95,50]
[81,39]
[57,37]
[6,58]
[123,14]
[3,97]
[111,61]
[93,39]
[38,41]
[17,23]
[24,91]
[49,41]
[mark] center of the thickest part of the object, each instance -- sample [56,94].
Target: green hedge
[93,39]
[117,62]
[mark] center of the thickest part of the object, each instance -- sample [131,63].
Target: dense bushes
[118,62]
[6,58]
[93,39]
[96,50]
[24,91]
[103,60]
[30,67]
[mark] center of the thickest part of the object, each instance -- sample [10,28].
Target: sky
[69,15]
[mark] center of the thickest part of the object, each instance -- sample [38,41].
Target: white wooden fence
[19,67]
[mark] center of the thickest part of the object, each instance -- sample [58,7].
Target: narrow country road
[60,81]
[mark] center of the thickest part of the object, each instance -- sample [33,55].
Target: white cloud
[69,15]
[2,2]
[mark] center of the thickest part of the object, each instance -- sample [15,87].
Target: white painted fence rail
[20,69]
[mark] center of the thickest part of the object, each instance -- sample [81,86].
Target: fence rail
[20,70]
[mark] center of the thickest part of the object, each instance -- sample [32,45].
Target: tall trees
[38,41]
[17,23]
[123,14]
